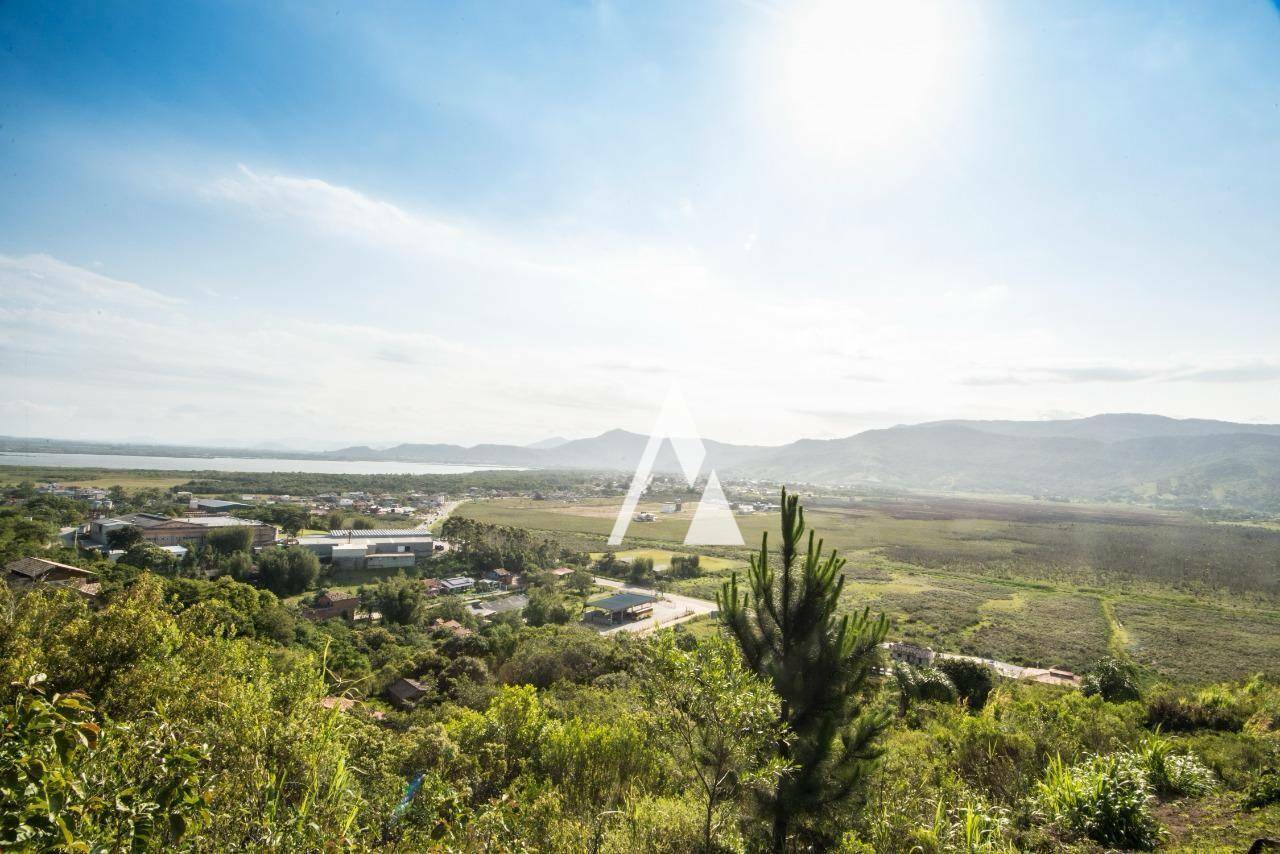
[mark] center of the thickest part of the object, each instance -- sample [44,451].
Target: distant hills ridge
[1118,456]
[1123,456]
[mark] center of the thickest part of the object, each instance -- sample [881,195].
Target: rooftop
[622,602]
[380,532]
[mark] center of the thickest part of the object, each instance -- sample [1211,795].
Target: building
[377,548]
[453,627]
[164,531]
[672,507]
[504,578]
[622,607]
[432,585]
[909,653]
[329,605]
[28,571]
[406,693]
[215,505]
[457,584]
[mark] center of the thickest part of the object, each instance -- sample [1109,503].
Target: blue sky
[497,222]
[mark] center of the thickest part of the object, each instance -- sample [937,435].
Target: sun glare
[855,76]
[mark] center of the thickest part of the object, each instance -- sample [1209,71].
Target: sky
[319,224]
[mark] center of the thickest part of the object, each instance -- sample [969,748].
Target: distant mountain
[1149,458]
[1129,457]
[553,442]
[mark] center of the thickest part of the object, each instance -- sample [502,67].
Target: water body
[252,464]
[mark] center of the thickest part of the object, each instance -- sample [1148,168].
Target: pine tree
[821,665]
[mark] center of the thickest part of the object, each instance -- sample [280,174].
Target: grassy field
[1034,584]
[127,479]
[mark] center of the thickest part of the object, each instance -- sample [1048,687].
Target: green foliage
[1114,680]
[552,654]
[1106,799]
[717,720]
[125,537]
[546,607]
[641,570]
[400,600]
[1264,789]
[1171,773]
[973,680]
[482,546]
[921,684]
[226,541]
[819,664]
[686,566]
[67,784]
[287,571]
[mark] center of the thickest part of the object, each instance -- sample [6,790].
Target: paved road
[674,608]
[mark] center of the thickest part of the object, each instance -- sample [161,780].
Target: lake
[252,464]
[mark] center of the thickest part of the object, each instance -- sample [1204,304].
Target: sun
[857,76]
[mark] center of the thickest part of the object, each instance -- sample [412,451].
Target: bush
[1171,773]
[972,679]
[1106,798]
[1114,680]
[1264,790]
[1173,712]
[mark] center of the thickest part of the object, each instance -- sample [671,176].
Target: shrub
[1114,680]
[1173,713]
[1171,773]
[972,679]
[1106,798]
[1264,790]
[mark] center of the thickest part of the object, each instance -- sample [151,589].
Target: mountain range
[1127,457]
[1151,458]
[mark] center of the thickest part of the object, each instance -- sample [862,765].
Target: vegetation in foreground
[191,715]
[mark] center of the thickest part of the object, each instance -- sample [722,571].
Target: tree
[718,719]
[229,540]
[820,665]
[548,607]
[641,571]
[686,566]
[124,538]
[972,679]
[288,571]
[400,600]
[1115,680]
[581,581]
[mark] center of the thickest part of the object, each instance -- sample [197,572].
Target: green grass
[1032,584]
[129,480]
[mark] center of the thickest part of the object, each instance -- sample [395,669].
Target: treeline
[310,483]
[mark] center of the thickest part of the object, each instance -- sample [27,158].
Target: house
[457,584]
[163,531]
[562,571]
[328,605]
[28,571]
[621,607]
[909,653]
[453,627]
[406,693]
[504,578]
[432,585]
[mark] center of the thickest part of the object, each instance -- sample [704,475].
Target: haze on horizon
[242,223]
